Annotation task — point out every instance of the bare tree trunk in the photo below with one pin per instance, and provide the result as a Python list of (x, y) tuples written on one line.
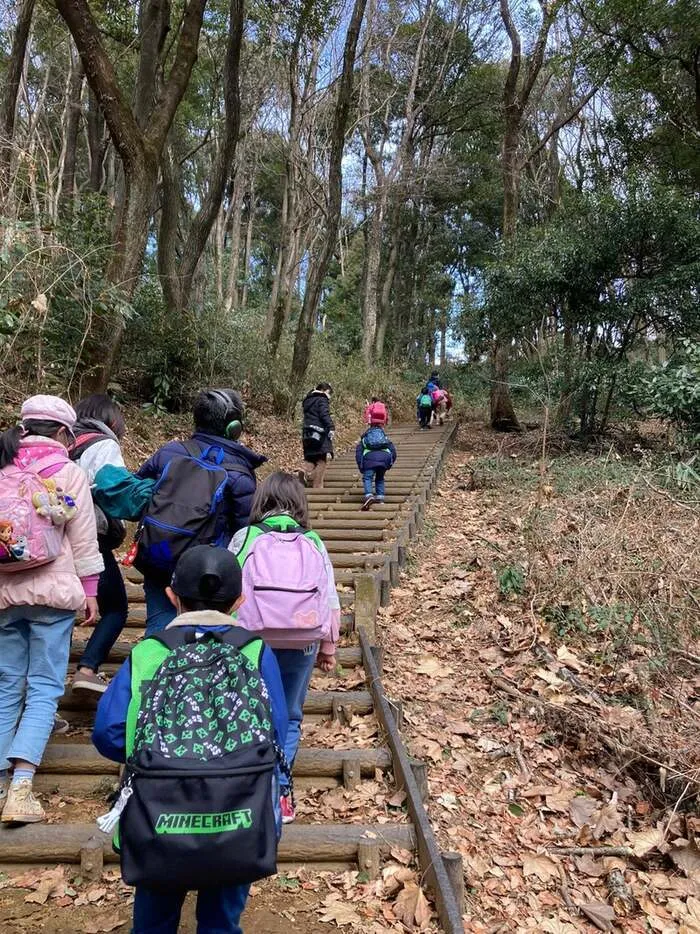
[(203, 220), (274, 320), (139, 136), (72, 128), (388, 284), (97, 141), (231, 295), (8, 100), (516, 96), (319, 263), (370, 305), (248, 241)]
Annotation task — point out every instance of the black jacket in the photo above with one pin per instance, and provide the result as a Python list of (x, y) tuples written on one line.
[(318, 424)]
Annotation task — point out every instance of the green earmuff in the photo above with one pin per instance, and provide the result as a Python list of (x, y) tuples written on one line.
[(233, 430)]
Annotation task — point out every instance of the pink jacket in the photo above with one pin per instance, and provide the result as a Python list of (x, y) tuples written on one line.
[(64, 583)]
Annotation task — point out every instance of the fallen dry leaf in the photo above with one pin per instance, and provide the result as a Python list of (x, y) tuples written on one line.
[(589, 866), (411, 907), (600, 914), (541, 866), (106, 923), (582, 808), (608, 821), (336, 910), (644, 841), (51, 882), (687, 858), (556, 926)]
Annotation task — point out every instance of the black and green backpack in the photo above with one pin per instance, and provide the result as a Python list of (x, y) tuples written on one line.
[(200, 776)]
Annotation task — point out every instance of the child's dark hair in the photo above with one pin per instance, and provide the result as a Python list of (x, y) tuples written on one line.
[(10, 440), (214, 409), (100, 407), (280, 493), (324, 387)]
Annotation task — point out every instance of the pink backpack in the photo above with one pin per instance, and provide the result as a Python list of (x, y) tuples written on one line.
[(33, 513), (376, 412), (285, 587), (437, 395)]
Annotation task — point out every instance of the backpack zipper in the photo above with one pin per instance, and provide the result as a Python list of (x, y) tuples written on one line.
[(288, 589), (170, 528)]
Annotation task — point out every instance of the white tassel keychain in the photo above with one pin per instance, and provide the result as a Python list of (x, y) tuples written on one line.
[(109, 821)]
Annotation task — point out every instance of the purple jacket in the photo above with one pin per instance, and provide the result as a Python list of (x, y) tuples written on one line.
[(241, 485)]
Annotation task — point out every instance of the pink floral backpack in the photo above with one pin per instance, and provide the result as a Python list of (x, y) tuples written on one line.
[(33, 514)]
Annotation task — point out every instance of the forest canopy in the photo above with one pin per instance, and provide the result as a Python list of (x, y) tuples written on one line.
[(267, 192)]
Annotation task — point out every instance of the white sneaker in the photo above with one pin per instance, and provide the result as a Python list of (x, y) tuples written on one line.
[(21, 806)]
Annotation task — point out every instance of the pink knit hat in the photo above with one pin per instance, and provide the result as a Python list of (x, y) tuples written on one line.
[(49, 409)]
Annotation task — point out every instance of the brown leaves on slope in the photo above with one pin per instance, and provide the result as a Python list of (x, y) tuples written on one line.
[(521, 783)]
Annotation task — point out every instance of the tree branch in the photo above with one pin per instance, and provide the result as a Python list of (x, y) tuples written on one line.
[(103, 80), (186, 55), (558, 124), (511, 83), (205, 217)]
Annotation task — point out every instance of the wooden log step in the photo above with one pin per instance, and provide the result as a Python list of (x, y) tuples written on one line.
[(109, 669), (84, 759), (137, 619), (317, 702), (105, 785), (348, 657), (372, 560), (344, 519), (318, 843)]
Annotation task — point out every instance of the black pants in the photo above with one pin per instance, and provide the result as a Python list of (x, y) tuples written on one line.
[(114, 609), (424, 415)]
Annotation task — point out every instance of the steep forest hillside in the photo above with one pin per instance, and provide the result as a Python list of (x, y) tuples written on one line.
[(273, 193)]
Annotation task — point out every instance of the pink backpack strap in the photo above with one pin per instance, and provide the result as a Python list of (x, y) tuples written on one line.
[(47, 466)]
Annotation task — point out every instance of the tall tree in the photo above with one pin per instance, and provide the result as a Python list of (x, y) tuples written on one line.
[(318, 266), (139, 134), (8, 99)]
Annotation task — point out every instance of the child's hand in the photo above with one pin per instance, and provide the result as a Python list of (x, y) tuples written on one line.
[(325, 662), (91, 611)]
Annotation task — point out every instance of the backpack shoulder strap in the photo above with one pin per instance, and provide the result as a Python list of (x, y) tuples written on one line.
[(175, 637), (294, 528), (193, 448), (83, 442), (184, 635)]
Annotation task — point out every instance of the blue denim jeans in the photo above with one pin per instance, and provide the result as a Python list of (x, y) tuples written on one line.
[(159, 610), (296, 667), (114, 609), (376, 475), (34, 650), (218, 910)]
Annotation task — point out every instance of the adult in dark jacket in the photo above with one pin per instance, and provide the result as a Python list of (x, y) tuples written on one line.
[(218, 417), (317, 435)]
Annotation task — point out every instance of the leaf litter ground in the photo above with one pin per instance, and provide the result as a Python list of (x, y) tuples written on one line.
[(534, 640)]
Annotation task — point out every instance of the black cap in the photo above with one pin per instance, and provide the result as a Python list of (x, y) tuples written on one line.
[(208, 574)]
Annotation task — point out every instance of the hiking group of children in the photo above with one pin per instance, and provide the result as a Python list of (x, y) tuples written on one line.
[(241, 604), (206, 713), (433, 402)]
